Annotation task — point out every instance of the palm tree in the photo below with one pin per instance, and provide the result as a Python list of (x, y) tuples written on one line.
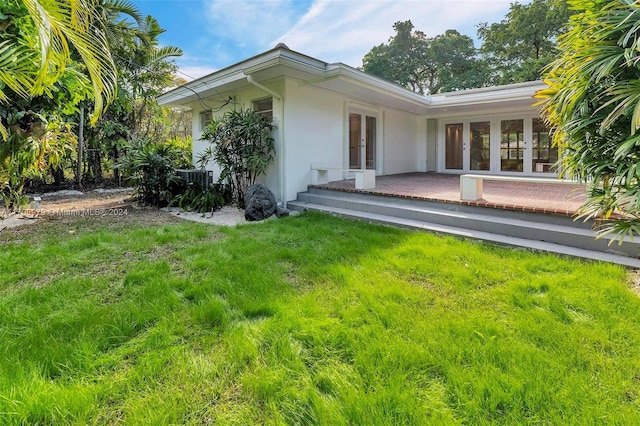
[(593, 102), (36, 42)]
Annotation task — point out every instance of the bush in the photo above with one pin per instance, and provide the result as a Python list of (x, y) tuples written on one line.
[(198, 199), (242, 146), (151, 167)]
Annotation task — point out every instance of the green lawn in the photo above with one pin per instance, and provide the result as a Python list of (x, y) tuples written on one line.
[(307, 320)]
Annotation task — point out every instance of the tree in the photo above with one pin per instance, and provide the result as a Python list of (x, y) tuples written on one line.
[(456, 61), (242, 146), (517, 48), (41, 84), (144, 71), (425, 65), (593, 103)]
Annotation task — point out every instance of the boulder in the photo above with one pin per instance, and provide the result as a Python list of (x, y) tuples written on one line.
[(281, 212), (260, 203)]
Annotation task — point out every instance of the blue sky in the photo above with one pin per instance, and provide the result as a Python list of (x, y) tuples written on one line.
[(217, 33)]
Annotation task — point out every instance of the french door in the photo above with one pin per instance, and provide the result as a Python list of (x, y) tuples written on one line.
[(468, 153), (511, 146), (362, 141)]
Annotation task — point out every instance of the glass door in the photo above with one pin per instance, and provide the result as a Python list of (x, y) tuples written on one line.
[(544, 155), (480, 142), (362, 141), (454, 146), (512, 145)]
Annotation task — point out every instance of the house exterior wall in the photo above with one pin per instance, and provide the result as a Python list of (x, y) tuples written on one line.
[(432, 144), (313, 125), (242, 99), (313, 133), (400, 143), (317, 131)]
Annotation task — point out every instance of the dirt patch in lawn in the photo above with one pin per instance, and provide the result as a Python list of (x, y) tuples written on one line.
[(113, 207)]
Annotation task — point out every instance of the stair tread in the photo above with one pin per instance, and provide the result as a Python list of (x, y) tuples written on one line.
[(462, 215), (470, 233)]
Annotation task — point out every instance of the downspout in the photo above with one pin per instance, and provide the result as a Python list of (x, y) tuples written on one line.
[(283, 181)]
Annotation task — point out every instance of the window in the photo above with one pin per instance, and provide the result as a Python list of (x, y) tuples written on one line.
[(544, 155), (264, 107), (205, 119)]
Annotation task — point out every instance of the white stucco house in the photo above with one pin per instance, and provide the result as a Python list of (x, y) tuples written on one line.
[(337, 116)]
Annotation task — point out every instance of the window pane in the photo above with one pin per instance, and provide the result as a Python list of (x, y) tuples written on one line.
[(355, 133), (264, 107), (511, 145), (453, 146), (544, 155), (480, 137), (205, 119), (371, 142)]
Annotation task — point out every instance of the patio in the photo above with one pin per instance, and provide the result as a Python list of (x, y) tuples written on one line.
[(445, 188)]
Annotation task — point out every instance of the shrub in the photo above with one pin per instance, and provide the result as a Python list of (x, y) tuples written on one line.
[(242, 146), (150, 167), (198, 199)]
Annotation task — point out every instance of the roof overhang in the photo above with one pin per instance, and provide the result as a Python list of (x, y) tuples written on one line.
[(282, 62), (512, 97)]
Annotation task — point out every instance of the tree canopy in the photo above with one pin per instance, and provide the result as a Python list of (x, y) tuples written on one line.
[(423, 64), (521, 45), (513, 50)]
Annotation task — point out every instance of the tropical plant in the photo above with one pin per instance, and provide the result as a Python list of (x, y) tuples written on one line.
[(53, 55), (151, 168), (593, 102), (242, 146), (144, 71), (38, 135), (37, 39), (199, 199)]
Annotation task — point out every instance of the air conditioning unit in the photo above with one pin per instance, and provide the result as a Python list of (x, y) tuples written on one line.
[(205, 177)]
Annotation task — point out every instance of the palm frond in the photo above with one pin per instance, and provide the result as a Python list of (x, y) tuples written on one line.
[(76, 22)]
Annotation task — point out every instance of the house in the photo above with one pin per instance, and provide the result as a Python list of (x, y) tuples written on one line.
[(337, 116)]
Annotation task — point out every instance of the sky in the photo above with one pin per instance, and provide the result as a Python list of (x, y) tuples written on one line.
[(214, 34)]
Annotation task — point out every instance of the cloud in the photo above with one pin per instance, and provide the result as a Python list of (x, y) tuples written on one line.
[(251, 23), (344, 31), (194, 72)]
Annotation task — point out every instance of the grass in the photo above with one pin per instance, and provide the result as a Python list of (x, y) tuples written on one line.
[(307, 320)]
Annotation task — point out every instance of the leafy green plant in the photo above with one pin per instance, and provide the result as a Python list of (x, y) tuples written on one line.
[(198, 199), (242, 146), (593, 101), (150, 167), (34, 142)]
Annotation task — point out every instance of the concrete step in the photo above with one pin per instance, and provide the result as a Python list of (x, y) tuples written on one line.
[(463, 208), (562, 235)]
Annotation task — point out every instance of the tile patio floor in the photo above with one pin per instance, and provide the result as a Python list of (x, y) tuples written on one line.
[(532, 197)]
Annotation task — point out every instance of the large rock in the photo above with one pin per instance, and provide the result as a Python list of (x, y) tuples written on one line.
[(260, 203)]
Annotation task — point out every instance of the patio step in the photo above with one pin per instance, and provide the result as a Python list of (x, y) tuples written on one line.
[(554, 233)]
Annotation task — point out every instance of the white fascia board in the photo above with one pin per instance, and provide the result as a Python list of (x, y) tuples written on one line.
[(186, 91), (375, 82), (486, 96)]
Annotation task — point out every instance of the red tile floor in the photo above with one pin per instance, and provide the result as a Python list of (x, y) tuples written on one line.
[(532, 197)]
